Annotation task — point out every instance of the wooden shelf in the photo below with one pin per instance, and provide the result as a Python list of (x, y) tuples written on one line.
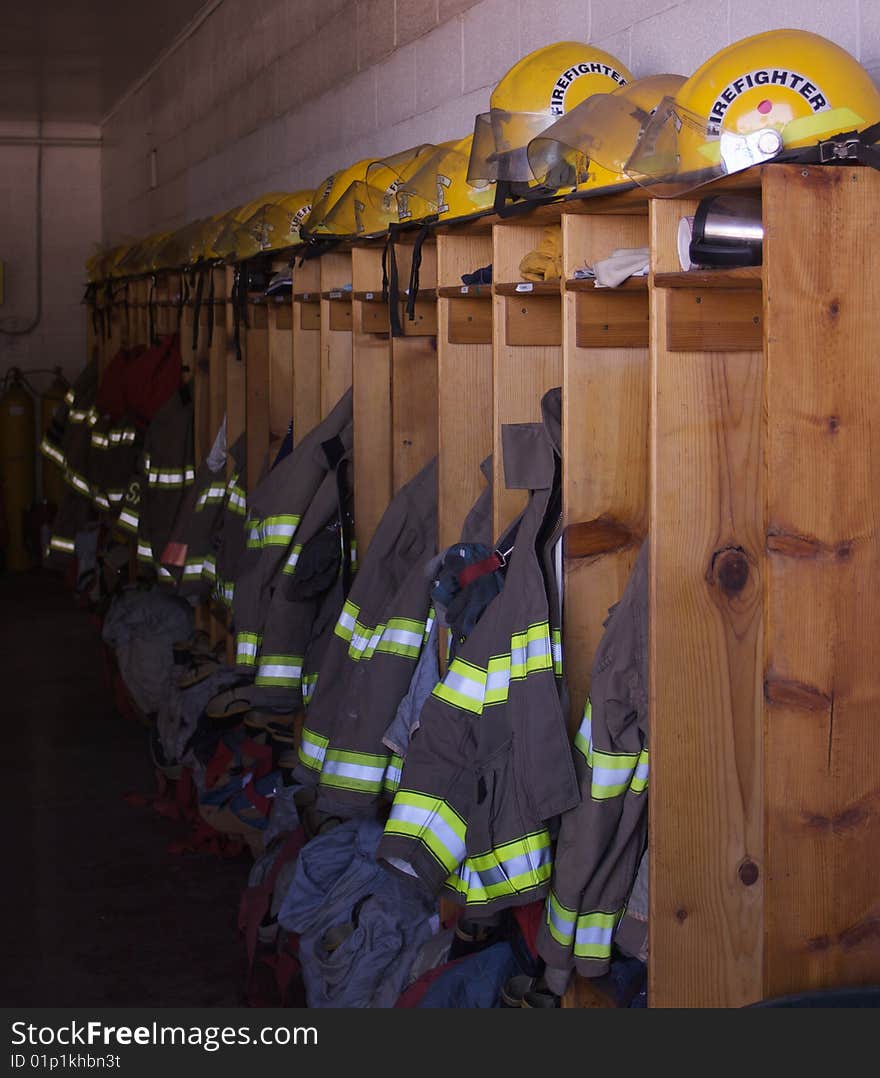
[(743, 277), (535, 288), (422, 294), (307, 297), (588, 284), (338, 295), (465, 291), (371, 297)]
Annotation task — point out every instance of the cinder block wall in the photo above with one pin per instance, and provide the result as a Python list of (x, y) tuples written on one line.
[(276, 94), (71, 185)]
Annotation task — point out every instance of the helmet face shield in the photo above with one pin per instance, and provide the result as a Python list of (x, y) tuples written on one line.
[(603, 130), (499, 148), (675, 154)]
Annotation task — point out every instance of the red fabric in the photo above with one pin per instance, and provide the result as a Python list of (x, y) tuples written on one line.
[(112, 392), (218, 765), (255, 901), (414, 995), (154, 377), (481, 568), (529, 918)]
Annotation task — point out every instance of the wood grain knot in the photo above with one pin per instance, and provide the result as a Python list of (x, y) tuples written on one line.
[(833, 424), (748, 873), (834, 308), (604, 535), (681, 915), (730, 567), (795, 694)]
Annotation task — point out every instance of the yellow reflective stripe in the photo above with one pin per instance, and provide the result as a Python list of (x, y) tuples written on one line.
[(431, 822), (246, 647), (282, 670), (510, 869), (309, 684), (588, 935), (293, 558), (312, 749), (393, 772), (613, 773)]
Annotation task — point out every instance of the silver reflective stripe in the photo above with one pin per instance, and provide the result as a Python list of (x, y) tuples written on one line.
[(403, 636), (275, 670), (314, 752), (474, 690), (594, 935), (433, 822), (563, 926), (354, 771)]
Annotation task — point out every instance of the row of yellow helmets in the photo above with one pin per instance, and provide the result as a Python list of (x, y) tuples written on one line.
[(568, 119)]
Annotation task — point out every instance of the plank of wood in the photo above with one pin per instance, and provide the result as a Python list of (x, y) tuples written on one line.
[(372, 433), (414, 406), (532, 320), (309, 315), (280, 371), (822, 680), (609, 319), (214, 341), (521, 373), (705, 320), (424, 321), (605, 449), (257, 408), (465, 425), (469, 322), (706, 597), (336, 328), (739, 279)]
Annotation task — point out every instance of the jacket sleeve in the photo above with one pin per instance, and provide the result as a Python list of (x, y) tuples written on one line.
[(602, 840)]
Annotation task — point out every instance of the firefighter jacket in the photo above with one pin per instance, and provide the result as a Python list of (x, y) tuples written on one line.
[(229, 543), (72, 453), (275, 510), (370, 658), (602, 840), (317, 563), (71, 413), (169, 472), (115, 446), (490, 767), (199, 520)]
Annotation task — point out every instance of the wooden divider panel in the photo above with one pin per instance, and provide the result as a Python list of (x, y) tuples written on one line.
[(706, 534), (464, 380), (414, 370), (371, 379), (605, 421), (821, 676), (280, 367), (257, 408), (336, 328), (306, 344), (526, 366)]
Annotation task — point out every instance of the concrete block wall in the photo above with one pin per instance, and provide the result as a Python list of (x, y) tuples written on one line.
[(276, 94), (71, 227)]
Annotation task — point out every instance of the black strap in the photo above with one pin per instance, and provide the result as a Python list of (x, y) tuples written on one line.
[(236, 310), (391, 290), (334, 451), (412, 295)]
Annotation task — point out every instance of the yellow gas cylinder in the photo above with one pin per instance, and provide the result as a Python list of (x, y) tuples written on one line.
[(18, 466), (53, 479)]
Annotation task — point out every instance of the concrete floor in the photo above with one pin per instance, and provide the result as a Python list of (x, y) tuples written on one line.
[(95, 910)]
